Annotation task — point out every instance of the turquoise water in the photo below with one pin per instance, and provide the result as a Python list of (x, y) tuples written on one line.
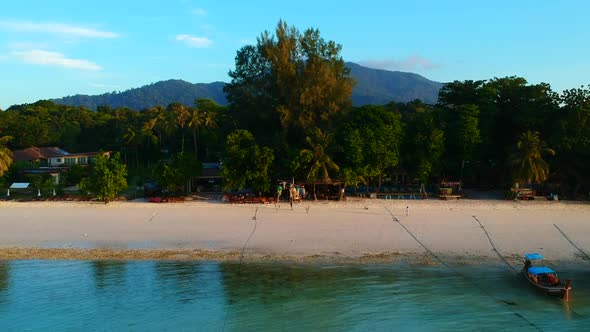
[(209, 296)]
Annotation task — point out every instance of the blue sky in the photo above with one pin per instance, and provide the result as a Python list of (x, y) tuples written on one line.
[(51, 49)]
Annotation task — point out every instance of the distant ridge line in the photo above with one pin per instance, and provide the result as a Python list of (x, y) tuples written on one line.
[(373, 86)]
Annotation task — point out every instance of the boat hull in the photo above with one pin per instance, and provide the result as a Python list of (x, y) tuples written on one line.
[(561, 291)]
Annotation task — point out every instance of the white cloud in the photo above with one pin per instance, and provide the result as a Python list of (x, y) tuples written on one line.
[(56, 28), (199, 12), (194, 41), (411, 63), (27, 45), (55, 59)]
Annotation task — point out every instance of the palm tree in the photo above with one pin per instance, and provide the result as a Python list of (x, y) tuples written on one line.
[(198, 119), (5, 155), (527, 159), (134, 138), (321, 162), (181, 115)]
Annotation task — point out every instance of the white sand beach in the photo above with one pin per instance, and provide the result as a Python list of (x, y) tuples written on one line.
[(354, 229)]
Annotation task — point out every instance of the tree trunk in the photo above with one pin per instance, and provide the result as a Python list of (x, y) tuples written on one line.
[(195, 142), (380, 181), (315, 197)]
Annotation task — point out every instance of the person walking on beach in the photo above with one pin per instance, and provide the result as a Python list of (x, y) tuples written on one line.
[(407, 211)]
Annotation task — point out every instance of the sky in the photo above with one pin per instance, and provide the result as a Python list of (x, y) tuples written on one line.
[(57, 48)]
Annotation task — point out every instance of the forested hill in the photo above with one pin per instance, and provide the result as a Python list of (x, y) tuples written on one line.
[(374, 86), (160, 93), (377, 86)]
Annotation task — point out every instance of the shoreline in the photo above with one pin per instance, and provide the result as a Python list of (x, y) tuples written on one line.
[(353, 231), (235, 257)]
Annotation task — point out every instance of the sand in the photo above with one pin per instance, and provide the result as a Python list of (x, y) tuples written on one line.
[(358, 230)]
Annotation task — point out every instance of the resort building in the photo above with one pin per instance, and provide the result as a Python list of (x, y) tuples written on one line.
[(51, 160)]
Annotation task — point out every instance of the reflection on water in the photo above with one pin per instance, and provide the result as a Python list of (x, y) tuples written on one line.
[(4, 280), (109, 272), (173, 295)]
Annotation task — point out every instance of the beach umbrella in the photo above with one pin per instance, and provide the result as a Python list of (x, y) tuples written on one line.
[(8, 193), (53, 191), (38, 192)]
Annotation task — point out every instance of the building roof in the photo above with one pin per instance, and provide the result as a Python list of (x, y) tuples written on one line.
[(36, 153), (19, 185)]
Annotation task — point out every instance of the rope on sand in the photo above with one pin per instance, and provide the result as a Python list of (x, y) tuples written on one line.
[(394, 218), (493, 246), (249, 237), (420, 242), (572, 243)]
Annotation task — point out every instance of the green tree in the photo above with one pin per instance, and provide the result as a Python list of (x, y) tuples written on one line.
[(245, 164), (463, 135), (371, 143), (290, 80), (320, 161), (177, 172), (108, 177), (423, 145), (5, 155), (527, 160), (571, 137)]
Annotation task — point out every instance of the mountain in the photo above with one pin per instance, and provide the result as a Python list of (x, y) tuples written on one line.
[(159, 93), (374, 86), (377, 86)]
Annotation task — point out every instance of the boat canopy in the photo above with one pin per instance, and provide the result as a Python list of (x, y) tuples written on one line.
[(536, 270), (533, 256)]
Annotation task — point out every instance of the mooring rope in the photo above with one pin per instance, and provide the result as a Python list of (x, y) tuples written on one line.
[(249, 237), (255, 218), (493, 246), (571, 242), (459, 273)]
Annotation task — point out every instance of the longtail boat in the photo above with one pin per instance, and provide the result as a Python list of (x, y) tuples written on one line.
[(544, 278)]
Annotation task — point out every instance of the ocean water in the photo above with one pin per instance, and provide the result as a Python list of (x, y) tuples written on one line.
[(208, 296)]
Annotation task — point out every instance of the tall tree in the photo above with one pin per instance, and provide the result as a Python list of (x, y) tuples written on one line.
[(423, 145), (5, 155), (180, 114), (371, 137), (290, 80), (527, 159), (463, 135), (204, 115), (571, 137), (245, 164)]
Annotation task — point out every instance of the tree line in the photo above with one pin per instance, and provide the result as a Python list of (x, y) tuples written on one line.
[(290, 116)]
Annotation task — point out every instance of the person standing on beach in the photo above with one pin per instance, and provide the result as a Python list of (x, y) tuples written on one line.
[(407, 211), (279, 192), (292, 195)]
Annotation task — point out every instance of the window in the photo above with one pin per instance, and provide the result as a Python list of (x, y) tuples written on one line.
[(58, 160), (83, 160), (70, 161)]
